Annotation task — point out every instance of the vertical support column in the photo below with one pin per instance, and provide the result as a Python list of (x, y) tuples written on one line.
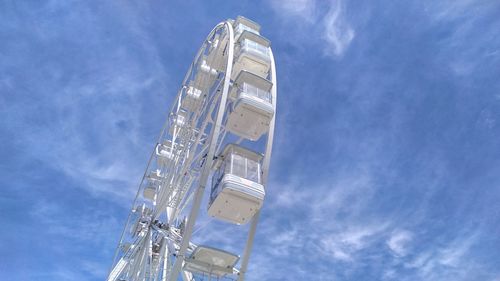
[(165, 263), (208, 163), (265, 173), (187, 276), (248, 247)]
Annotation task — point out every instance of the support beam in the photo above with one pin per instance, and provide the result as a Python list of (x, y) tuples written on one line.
[(265, 174), (208, 163)]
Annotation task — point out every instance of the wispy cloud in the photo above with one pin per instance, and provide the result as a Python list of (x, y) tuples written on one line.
[(447, 261), (345, 244), (332, 27), (304, 9), (338, 33), (94, 225), (398, 242), (66, 230), (89, 113)]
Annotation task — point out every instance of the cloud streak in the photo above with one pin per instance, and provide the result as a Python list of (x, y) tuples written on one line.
[(333, 26), (398, 242), (338, 33)]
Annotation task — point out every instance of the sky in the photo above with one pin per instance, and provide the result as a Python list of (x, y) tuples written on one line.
[(386, 161)]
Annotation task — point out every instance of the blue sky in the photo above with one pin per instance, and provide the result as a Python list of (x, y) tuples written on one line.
[(387, 158)]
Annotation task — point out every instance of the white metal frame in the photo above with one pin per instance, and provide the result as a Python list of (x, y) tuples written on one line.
[(183, 180)]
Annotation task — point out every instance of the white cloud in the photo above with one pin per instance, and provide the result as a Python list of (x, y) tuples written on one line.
[(288, 195), (334, 224), (338, 33), (449, 9), (398, 242), (448, 261), (103, 158), (94, 100), (453, 255), (93, 226), (344, 245), (332, 26), (297, 8)]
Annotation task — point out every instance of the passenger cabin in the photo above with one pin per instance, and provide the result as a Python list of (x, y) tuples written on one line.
[(205, 75), (252, 108), (252, 54), (142, 216), (150, 192), (211, 262), (157, 251), (165, 153), (217, 52), (192, 99), (237, 191), (153, 184), (243, 24), (178, 122)]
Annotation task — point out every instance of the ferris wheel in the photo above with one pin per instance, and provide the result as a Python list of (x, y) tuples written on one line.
[(220, 127)]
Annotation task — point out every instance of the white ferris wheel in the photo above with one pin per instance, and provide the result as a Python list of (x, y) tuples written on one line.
[(221, 128)]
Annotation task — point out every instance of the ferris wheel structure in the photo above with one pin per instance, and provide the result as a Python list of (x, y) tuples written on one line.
[(218, 135)]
